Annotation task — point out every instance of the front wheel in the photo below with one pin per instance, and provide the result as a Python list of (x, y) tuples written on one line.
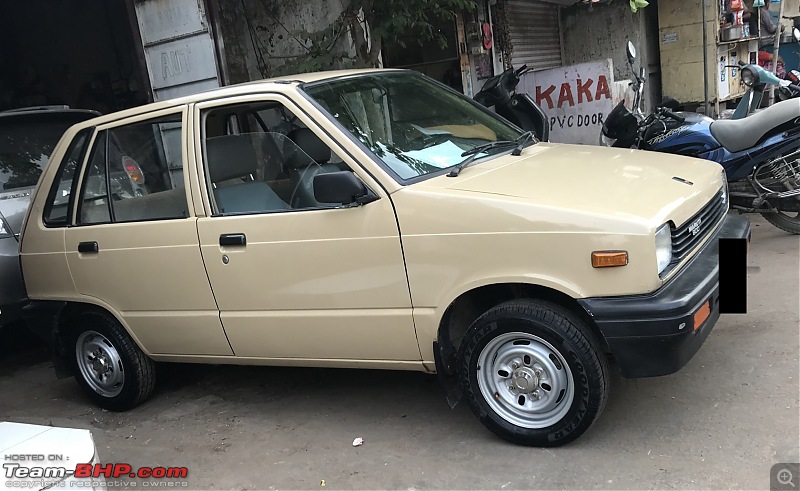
[(108, 364), (533, 373)]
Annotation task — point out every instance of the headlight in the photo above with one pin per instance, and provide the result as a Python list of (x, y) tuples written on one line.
[(607, 140), (725, 190), (748, 77), (663, 247), (4, 230)]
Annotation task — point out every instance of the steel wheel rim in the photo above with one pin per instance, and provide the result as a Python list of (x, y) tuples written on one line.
[(525, 380), (99, 363)]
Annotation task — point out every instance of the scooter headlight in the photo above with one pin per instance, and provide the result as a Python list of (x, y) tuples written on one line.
[(749, 78)]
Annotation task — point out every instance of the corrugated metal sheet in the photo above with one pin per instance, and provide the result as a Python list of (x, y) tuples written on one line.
[(181, 60), (178, 47), (534, 34)]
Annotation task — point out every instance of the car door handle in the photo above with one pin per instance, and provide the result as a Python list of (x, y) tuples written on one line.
[(89, 247), (232, 240)]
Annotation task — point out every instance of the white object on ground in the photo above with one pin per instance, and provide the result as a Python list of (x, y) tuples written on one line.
[(49, 450)]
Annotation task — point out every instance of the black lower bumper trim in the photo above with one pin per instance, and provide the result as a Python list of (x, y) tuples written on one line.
[(11, 313), (655, 334)]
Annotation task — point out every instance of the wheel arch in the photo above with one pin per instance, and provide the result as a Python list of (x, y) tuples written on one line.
[(471, 304), (65, 323)]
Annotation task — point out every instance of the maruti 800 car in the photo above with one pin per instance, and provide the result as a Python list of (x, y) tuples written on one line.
[(374, 219)]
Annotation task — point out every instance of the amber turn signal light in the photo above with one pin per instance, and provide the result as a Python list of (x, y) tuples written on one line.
[(609, 259), (701, 315)]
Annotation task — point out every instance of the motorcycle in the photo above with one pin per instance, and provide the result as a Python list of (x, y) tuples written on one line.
[(760, 151), (520, 109)]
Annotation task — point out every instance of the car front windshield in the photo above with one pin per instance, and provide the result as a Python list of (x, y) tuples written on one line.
[(414, 125)]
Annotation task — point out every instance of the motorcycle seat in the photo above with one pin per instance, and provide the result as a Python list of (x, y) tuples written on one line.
[(740, 134)]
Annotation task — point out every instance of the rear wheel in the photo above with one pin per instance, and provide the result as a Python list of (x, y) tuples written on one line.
[(788, 222), (780, 175), (533, 373), (108, 364)]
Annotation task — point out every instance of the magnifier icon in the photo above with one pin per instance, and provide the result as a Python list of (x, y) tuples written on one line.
[(785, 477)]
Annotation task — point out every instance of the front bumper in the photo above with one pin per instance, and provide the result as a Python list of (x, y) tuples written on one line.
[(655, 334)]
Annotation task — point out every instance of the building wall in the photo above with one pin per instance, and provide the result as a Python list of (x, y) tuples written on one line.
[(791, 9), (603, 32), (68, 52), (260, 37)]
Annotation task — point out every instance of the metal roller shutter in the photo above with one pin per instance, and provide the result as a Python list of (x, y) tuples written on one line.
[(534, 33)]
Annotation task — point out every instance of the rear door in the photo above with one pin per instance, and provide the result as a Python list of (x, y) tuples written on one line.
[(134, 244)]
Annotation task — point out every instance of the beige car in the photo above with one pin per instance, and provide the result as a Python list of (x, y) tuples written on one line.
[(373, 219)]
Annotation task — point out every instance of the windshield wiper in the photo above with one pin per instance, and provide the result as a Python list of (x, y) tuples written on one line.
[(487, 146), (473, 153), (523, 140)]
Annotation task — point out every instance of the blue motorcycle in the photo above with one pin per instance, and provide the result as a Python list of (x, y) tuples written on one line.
[(759, 149)]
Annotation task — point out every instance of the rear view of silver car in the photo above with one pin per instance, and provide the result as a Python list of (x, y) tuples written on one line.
[(27, 138)]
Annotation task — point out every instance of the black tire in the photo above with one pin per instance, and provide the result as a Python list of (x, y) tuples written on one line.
[(784, 222), (515, 323), (135, 370)]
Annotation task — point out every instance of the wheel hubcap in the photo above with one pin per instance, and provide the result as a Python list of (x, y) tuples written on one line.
[(525, 380), (99, 363)]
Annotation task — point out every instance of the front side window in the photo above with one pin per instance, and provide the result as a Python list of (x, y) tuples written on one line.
[(265, 163), (414, 125), (135, 173)]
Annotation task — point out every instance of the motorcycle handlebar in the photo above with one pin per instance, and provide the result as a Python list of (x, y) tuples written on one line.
[(674, 116)]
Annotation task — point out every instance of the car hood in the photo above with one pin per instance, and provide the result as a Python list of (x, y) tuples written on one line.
[(13, 206), (633, 184)]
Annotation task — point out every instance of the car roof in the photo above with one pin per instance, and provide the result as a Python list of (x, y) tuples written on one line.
[(46, 112), (240, 89)]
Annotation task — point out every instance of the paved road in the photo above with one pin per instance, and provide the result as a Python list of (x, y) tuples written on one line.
[(721, 422)]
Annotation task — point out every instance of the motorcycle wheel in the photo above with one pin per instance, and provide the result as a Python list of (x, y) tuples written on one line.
[(780, 175), (784, 221)]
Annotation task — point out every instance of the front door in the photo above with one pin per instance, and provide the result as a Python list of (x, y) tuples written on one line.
[(295, 278), (134, 242)]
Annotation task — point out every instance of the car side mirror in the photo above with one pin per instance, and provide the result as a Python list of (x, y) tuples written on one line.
[(341, 187), (631, 49)]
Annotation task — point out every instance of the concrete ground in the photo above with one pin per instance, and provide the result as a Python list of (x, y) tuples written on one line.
[(720, 423)]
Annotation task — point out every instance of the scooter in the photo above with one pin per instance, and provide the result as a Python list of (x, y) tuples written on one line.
[(520, 109), (786, 93), (759, 151)]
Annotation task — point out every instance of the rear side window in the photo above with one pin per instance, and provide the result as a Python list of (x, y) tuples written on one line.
[(94, 198), (135, 173), (56, 211)]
